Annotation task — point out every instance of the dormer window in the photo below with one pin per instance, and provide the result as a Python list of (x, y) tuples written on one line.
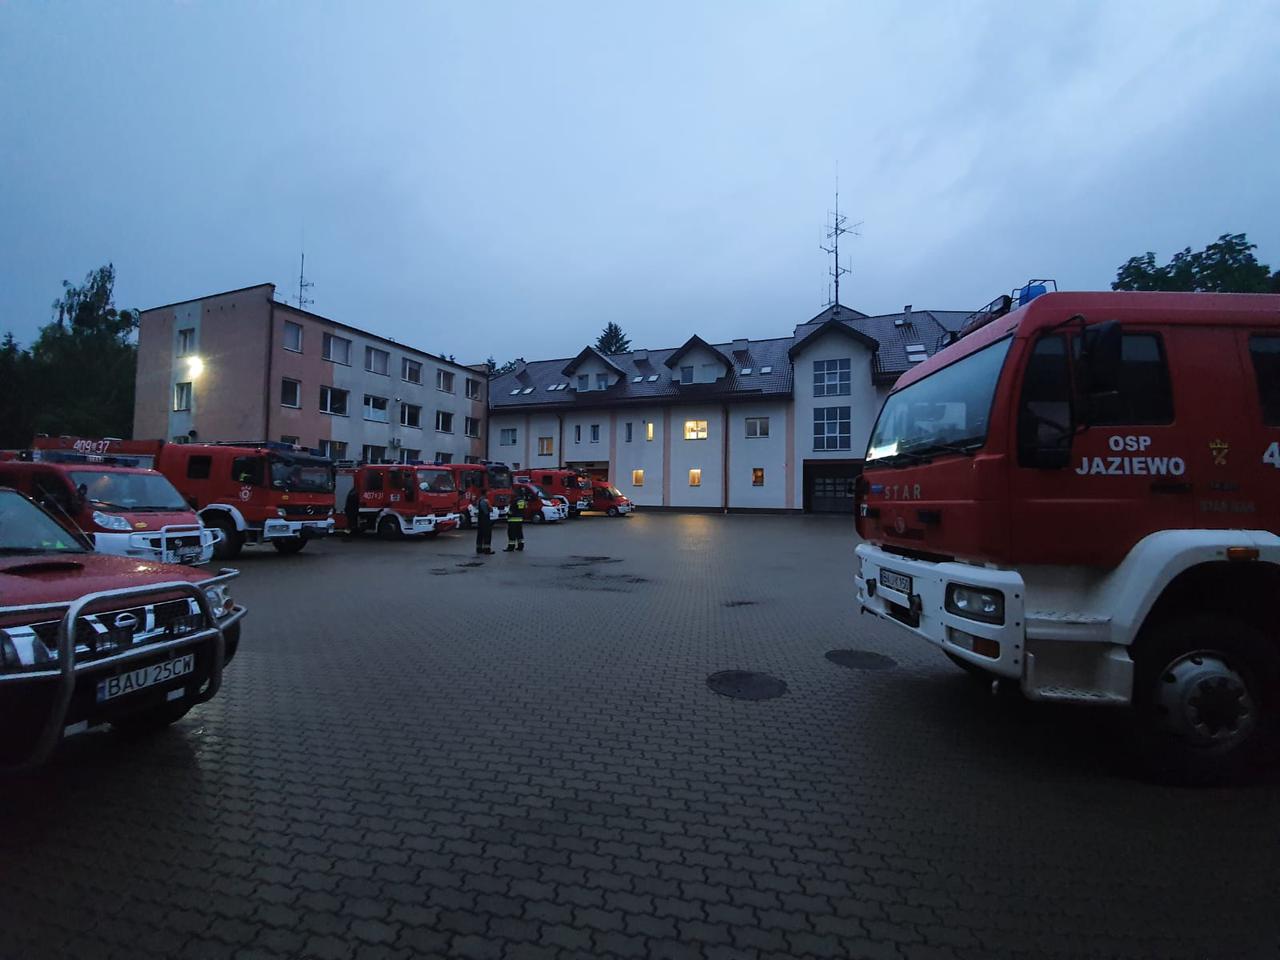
[(602, 381), (584, 382), (686, 374)]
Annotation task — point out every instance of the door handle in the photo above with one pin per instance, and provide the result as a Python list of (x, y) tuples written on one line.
[(1170, 486)]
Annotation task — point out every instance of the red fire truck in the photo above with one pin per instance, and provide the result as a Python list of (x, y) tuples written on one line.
[(251, 491), (491, 478), (398, 500), (573, 485), (123, 508), (1080, 497)]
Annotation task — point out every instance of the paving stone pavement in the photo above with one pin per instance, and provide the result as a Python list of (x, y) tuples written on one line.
[(418, 756)]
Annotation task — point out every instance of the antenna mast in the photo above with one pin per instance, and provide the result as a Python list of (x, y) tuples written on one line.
[(304, 285), (835, 230)]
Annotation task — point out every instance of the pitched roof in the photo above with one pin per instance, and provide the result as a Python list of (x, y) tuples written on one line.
[(894, 332), (589, 353), (833, 325), (692, 343)]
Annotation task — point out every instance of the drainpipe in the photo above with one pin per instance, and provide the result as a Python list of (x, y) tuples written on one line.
[(266, 387), (560, 438), (724, 459)]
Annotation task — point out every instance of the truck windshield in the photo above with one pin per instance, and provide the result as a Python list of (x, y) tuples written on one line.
[(120, 492), (613, 492), (499, 477), (303, 474), (436, 481), (947, 412), (25, 528)]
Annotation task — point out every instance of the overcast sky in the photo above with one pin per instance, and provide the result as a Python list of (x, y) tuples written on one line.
[(490, 178)]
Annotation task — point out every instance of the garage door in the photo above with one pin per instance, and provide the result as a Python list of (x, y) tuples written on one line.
[(829, 487)]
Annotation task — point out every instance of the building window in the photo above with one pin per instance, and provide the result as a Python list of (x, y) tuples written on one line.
[(577, 433), (182, 396), (377, 361), (444, 381), (695, 477), (473, 389), (628, 433), (444, 421), (831, 428), (544, 447), (595, 433), (471, 425), (830, 378), (757, 426), (506, 436), (686, 374), (757, 476), (290, 393), (376, 409), (411, 416), (293, 336), (584, 382), (602, 381), (695, 429), (444, 457), (473, 459), (372, 454), (410, 370), (648, 430), (292, 441), (637, 478), (186, 341), (333, 400), (333, 449), (409, 455), (337, 349)]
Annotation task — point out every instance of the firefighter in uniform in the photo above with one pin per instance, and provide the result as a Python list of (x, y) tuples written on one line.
[(515, 522), (484, 526), (352, 509)]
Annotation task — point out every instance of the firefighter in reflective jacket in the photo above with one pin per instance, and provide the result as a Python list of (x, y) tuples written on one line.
[(515, 522)]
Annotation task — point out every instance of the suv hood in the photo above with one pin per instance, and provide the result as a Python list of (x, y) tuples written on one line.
[(58, 577)]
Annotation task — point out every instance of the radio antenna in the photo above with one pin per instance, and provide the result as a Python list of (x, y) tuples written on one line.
[(837, 228), (304, 284)]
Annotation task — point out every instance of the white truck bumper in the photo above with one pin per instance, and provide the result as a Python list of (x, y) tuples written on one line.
[(186, 543), (278, 529)]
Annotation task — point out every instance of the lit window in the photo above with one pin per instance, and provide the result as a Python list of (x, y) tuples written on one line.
[(637, 478), (757, 426), (695, 429), (545, 448), (757, 476), (471, 425), (444, 421), (377, 361), (410, 370), (293, 336), (695, 477), (290, 393), (507, 436), (186, 341), (444, 381), (595, 433), (686, 374), (411, 416), (337, 349), (182, 396), (648, 430), (333, 400)]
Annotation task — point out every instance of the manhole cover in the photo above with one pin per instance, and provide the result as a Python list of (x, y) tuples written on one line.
[(745, 685), (861, 659)]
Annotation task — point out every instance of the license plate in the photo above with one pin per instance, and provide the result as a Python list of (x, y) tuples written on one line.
[(896, 581), (186, 556), (134, 680)]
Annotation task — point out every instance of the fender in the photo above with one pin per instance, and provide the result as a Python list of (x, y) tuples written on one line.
[(236, 515), (1080, 604)]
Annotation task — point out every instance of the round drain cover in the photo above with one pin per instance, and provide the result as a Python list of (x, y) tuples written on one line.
[(745, 685), (861, 659)]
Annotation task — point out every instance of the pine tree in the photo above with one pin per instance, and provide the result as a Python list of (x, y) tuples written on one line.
[(612, 340)]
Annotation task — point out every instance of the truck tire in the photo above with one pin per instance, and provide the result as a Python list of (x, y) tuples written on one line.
[(229, 547), (287, 545), (152, 720), (1207, 698), (389, 529), (464, 520), (611, 512)]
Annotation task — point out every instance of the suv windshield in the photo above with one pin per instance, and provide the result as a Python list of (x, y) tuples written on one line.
[(499, 477), (304, 474), (948, 411), (119, 492), (25, 528), (436, 481)]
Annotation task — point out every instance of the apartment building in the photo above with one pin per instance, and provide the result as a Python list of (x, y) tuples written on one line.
[(242, 365), (777, 424)]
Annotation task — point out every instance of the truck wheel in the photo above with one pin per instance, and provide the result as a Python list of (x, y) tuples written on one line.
[(288, 545), (228, 548), (464, 520), (152, 720), (1207, 696), (389, 528), (611, 512)]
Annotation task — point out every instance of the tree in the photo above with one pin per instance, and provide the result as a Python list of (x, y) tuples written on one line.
[(612, 340), (1226, 266), (496, 369)]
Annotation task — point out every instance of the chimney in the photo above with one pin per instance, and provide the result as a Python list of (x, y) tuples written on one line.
[(906, 313), (740, 346)]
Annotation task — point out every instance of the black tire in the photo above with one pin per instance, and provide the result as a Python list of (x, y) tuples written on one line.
[(289, 545), (151, 720), (1206, 699), (611, 512), (464, 520), (232, 542), (389, 529)]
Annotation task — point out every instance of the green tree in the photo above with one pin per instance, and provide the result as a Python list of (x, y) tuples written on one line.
[(612, 340), (498, 369), (1225, 266), (16, 402)]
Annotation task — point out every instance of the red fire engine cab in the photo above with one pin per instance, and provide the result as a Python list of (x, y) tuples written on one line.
[(250, 491), (492, 479), (573, 485), (398, 500), (1080, 496)]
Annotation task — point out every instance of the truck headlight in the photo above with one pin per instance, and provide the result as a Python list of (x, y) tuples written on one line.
[(280, 512), (219, 598), (110, 521), (975, 604)]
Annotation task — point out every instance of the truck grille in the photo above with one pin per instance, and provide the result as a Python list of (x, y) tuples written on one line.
[(109, 632), (306, 511)]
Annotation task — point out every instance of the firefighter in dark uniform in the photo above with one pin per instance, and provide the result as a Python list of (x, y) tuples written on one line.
[(484, 526), (515, 521), (352, 509)]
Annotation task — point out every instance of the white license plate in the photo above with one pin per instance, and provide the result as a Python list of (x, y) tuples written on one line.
[(185, 556), (134, 680), (896, 581)]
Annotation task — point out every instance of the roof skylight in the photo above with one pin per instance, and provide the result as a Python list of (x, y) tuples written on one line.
[(515, 391), (639, 379), (653, 378), (766, 369), (528, 389), (746, 371)]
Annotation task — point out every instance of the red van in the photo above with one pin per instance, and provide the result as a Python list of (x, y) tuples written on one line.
[(609, 499)]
